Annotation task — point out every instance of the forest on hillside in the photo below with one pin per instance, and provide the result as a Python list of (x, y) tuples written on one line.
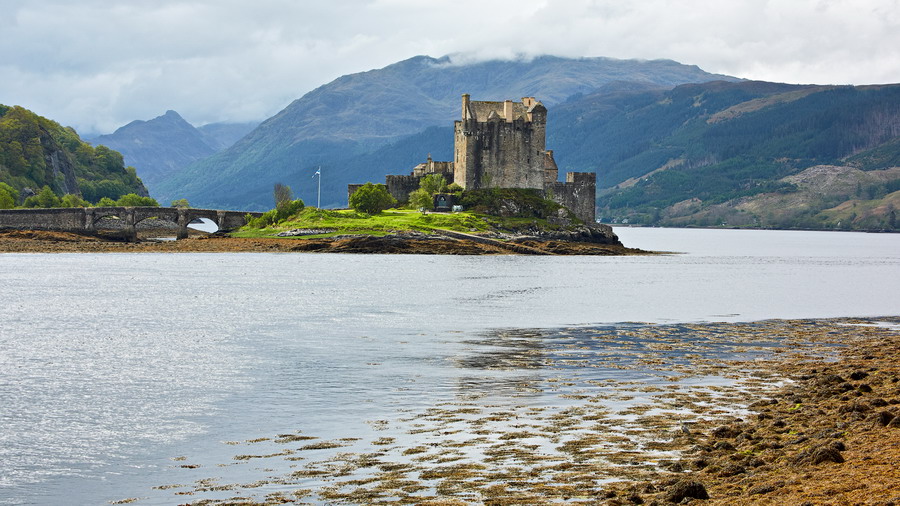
[(36, 152)]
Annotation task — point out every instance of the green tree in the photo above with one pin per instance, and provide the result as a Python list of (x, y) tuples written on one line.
[(182, 203), (8, 196), (433, 183), (454, 188), (70, 200), (288, 209), (371, 199), (283, 195), (106, 202), (44, 198), (421, 199), (135, 200)]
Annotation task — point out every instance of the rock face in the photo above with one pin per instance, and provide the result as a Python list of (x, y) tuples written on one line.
[(595, 233)]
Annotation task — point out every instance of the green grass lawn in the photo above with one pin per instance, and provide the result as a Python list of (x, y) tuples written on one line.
[(390, 221)]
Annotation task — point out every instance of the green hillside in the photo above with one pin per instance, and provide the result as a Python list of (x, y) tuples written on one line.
[(341, 124), (699, 154), (37, 152)]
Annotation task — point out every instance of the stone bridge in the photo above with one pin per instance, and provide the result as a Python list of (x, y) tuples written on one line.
[(87, 219)]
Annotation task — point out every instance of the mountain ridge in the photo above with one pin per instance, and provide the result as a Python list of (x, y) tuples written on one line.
[(166, 144), (361, 113)]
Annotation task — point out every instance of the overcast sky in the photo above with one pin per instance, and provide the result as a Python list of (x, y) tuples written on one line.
[(98, 64)]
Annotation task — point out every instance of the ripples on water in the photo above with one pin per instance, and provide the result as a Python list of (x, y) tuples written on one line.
[(113, 365)]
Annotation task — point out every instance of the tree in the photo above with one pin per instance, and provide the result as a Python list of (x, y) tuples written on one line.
[(8, 196), (135, 200), (182, 203), (70, 200), (421, 199), (433, 183), (106, 202), (44, 198), (371, 199), (288, 209), (283, 195)]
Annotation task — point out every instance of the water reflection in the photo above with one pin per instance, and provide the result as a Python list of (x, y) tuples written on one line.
[(536, 407)]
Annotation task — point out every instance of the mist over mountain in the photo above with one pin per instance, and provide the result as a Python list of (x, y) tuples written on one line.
[(341, 125)]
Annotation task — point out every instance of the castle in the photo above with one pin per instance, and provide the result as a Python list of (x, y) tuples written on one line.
[(503, 145)]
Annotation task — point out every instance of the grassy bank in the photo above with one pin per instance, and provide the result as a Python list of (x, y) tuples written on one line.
[(345, 222)]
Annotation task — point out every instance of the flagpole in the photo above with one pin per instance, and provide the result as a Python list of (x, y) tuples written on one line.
[(319, 195)]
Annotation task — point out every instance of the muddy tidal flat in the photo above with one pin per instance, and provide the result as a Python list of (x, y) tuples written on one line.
[(28, 241), (773, 412)]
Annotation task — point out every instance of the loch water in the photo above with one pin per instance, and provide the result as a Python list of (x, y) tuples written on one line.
[(112, 366)]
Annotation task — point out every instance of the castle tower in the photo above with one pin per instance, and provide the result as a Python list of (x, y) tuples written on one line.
[(501, 144)]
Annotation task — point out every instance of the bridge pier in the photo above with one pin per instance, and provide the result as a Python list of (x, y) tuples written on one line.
[(130, 225), (183, 221), (88, 219), (220, 220)]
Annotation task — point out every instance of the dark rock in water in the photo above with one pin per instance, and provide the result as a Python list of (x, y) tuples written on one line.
[(858, 375), (732, 470), (830, 379), (895, 423), (725, 432), (864, 388), (818, 455), (724, 445), (883, 418), (682, 489), (762, 489)]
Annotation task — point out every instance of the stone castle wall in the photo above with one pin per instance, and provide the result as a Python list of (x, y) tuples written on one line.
[(578, 193), (401, 186)]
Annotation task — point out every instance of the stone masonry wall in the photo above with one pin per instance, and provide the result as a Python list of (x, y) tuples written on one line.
[(401, 186), (578, 193)]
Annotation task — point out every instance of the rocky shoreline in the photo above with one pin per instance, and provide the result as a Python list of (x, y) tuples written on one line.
[(831, 435), (810, 416), (31, 241)]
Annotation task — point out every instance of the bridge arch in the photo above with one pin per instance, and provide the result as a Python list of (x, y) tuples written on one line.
[(87, 219)]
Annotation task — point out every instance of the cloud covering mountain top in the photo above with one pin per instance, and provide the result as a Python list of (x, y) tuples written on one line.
[(96, 65)]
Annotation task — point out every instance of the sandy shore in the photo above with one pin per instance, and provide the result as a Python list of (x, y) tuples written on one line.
[(15, 241), (809, 415)]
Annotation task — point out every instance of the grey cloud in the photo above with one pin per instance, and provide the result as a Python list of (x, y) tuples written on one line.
[(97, 65)]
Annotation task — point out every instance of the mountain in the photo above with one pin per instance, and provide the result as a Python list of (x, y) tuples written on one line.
[(159, 147), (37, 152), (221, 136), (345, 125), (738, 153)]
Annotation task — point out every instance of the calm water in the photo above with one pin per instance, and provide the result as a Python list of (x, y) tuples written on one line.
[(111, 365)]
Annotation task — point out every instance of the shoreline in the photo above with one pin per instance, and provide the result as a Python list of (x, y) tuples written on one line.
[(811, 416), (36, 241)]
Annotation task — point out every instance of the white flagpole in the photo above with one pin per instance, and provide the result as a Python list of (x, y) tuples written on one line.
[(319, 195)]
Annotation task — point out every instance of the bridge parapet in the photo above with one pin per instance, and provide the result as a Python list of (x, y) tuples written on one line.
[(86, 219)]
